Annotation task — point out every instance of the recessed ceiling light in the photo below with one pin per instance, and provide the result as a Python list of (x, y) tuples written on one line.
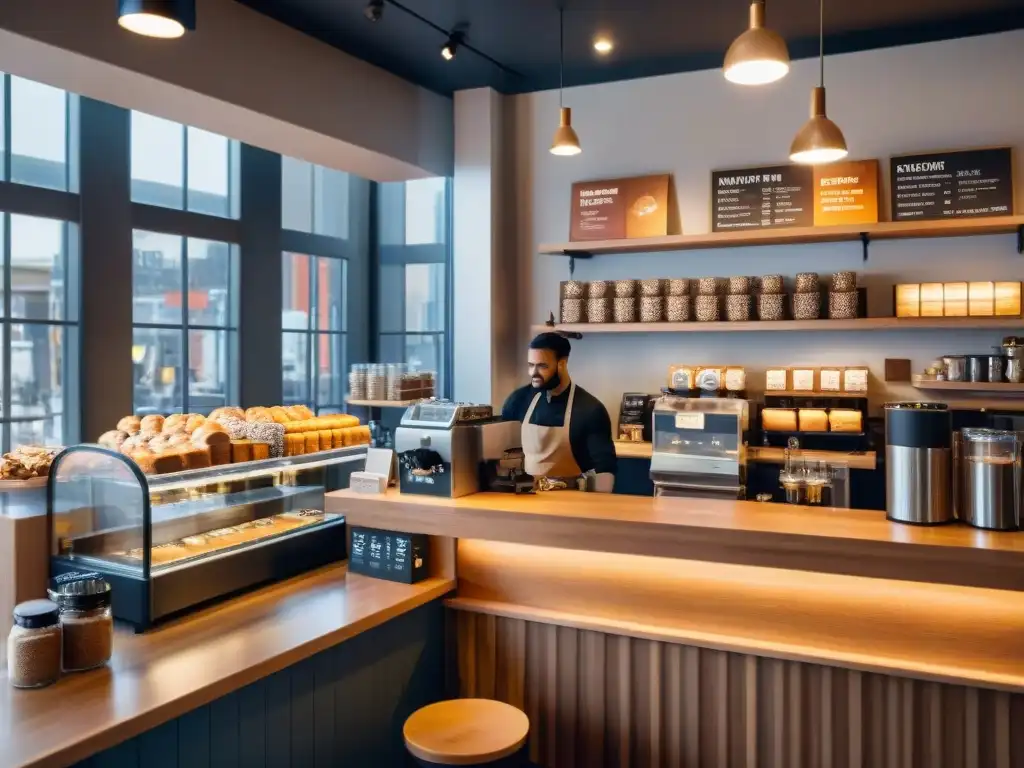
[(603, 45), (157, 18)]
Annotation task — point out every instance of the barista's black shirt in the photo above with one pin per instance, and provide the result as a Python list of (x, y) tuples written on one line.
[(590, 431)]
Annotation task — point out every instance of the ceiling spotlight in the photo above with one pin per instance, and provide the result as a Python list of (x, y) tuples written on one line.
[(759, 55), (820, 140), (603, 45), (157, 18), (374, 10), (449, 49)]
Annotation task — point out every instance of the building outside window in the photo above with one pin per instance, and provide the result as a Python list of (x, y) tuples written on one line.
[(315, 214), (412, 302), (39, 309), (184, 344)]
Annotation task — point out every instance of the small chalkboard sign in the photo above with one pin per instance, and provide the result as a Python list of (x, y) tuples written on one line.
[(952, 185), (387, 554)]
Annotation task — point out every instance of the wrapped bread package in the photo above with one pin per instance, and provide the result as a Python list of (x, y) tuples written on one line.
[(813, 420), (778, 420), (845, 420)]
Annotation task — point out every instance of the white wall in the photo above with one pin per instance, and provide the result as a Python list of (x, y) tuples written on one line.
[(240, 74), (947, 95)]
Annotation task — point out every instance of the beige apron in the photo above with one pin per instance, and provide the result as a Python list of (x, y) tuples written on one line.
[(547, 450)]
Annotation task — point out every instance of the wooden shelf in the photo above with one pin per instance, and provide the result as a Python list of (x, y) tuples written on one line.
[(887, 230), (1002, 388), (770, 326), (381, 403), (798, 393), (757, 454)]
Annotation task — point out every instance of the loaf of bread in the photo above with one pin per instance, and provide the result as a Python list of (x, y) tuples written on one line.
[(220, 453), (260, 451), (312, 440), (130, 424), (365, 438), (268, 432), (152, 423), (813, 420), (845, 420), (211, 432), (178, 439), (258, 414), (194, 457), (326, 440), (113, 439), (294, 445), (238, 413), (777, 420), (304, 412), (280, 415), (158, 444), (158, 463), (241, 450)]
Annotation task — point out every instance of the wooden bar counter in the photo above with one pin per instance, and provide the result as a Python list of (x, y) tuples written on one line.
[(660, 632), (269, 665)]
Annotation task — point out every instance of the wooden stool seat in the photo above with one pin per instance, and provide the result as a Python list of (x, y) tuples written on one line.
[(465, 731)]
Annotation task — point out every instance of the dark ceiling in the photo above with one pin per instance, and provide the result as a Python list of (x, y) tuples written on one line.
[(652, 37)]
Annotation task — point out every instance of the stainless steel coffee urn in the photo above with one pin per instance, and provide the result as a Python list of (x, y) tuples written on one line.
[(918, 440), (990, 479)]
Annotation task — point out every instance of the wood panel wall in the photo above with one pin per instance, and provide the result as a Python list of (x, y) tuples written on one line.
[(342, 707), (597, 700)]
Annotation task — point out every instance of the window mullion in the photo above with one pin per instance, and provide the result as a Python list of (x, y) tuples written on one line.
[(185, 362)]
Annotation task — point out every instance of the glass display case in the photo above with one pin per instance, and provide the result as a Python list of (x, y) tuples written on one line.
[(170, 542)]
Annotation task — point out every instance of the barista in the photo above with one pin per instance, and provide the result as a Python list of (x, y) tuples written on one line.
[(566, 431)]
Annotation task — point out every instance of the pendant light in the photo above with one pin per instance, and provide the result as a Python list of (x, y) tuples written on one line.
[(820, 141), (157, 18), (566, 142), (759, 55)]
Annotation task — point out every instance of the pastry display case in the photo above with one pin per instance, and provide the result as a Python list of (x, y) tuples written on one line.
[(170, 542)]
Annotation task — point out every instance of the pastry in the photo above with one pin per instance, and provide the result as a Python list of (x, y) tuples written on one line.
[(152, 423), (178, 439), (241, 450), (304, 412), (113, 439), (237, 429), (130, 424), (295, 413), (778, 420), (326, 440), (195, 421), (238, 413), (159, 444), (280, 415), (845, 420), (173, 421), (312, 441), (813, 420), (258, 413), (260, 451)]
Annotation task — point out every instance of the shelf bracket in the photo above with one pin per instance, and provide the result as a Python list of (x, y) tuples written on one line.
[(1020, 239), (573, 255), (865, 242)]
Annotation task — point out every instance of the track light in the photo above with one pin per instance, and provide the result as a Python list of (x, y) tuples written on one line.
[(759, 55), (157, 18), (449, 49), (819, 141), (374, 10)]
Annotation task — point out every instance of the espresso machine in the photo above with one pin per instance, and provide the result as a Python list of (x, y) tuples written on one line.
[(698, 447), (439, 447)]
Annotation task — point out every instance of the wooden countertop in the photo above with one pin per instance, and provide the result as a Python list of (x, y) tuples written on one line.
[(168, 671), (852, 542)]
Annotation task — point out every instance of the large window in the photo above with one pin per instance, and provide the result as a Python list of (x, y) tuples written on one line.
[(314, 199), (40, 327), (37, 134), (184, 348), (315, 215), (313, 341), (183, 167), (414, 275)]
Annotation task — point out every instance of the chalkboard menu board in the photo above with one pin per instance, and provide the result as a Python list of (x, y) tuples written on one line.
[(762, 198), (952, 185), (387, 554)]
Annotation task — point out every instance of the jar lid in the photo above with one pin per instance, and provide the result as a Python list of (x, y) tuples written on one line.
[(80, 591), (35, 614)]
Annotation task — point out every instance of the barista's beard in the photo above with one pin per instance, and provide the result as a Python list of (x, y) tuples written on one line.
[(550, 384)]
